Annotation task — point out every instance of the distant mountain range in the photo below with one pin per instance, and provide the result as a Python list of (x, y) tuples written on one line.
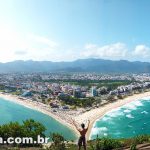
[(80, 65)]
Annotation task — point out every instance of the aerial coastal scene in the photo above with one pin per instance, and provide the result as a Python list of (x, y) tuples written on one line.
[(81, 97), (74, 75)]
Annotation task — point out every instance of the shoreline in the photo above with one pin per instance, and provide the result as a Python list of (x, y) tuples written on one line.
[(37, 106), (92, 115), (98, 113)]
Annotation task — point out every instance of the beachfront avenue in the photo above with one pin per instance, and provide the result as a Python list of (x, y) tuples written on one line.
[(24, 140)]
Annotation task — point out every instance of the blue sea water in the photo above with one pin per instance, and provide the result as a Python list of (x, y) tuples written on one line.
[(129, 120), (10, 111)]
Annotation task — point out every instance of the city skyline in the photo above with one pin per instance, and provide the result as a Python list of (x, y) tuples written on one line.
[(69, 30)]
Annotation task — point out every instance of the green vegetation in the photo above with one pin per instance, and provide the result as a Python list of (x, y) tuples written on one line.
[(100, 143), (17, 92), (58, 142), (2, 87), (111, 84), (84, 102), (105, 144), (29, 128)]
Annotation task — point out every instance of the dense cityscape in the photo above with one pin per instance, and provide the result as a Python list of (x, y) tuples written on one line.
[(73, 91)]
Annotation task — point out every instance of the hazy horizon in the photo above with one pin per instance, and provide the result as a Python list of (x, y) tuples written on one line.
[(77, 60)]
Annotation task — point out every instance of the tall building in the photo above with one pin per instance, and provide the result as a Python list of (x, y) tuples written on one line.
[(93, 92), (77, 93)]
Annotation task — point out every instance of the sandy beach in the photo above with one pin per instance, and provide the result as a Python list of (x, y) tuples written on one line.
[(98, 113), (43, 108), (64, 117)]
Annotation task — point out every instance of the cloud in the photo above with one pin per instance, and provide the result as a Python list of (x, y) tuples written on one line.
[(15, 46), (113, 51), (20, 46), (41, 48), (20, 52), (9, 43), (90, 46), (116, 51), (43, 40), (141, 51)]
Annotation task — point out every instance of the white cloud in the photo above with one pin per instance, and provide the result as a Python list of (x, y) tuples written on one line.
[(41, 48), (116, 51), (141, 51), (19, 46), (15, 46), (43, 40), (90, 46), (9, 42), (23, 52), (112, 51)]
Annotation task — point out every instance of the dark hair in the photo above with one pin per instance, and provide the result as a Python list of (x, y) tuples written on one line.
[(83, 125)]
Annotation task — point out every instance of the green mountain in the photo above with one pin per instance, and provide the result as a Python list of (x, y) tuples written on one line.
[(80, 65)]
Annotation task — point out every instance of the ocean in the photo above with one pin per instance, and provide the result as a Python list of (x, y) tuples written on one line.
[(10, 111), (127, 121)]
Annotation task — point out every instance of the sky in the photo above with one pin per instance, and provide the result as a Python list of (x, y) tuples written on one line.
[(66, 30)]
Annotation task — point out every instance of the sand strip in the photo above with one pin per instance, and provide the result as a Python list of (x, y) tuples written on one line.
[(91, 115)]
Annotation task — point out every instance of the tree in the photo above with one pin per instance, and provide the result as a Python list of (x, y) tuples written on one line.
[(29, 128), (58, 142), (33, 129)]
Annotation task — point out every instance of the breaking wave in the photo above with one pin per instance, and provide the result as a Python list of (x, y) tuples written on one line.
[(124, 121)]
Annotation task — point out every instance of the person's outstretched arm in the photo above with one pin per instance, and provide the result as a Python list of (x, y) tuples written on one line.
[(88, 124), (75, 125)]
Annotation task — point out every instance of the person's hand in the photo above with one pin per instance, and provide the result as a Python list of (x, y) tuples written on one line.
[(72, 120)]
